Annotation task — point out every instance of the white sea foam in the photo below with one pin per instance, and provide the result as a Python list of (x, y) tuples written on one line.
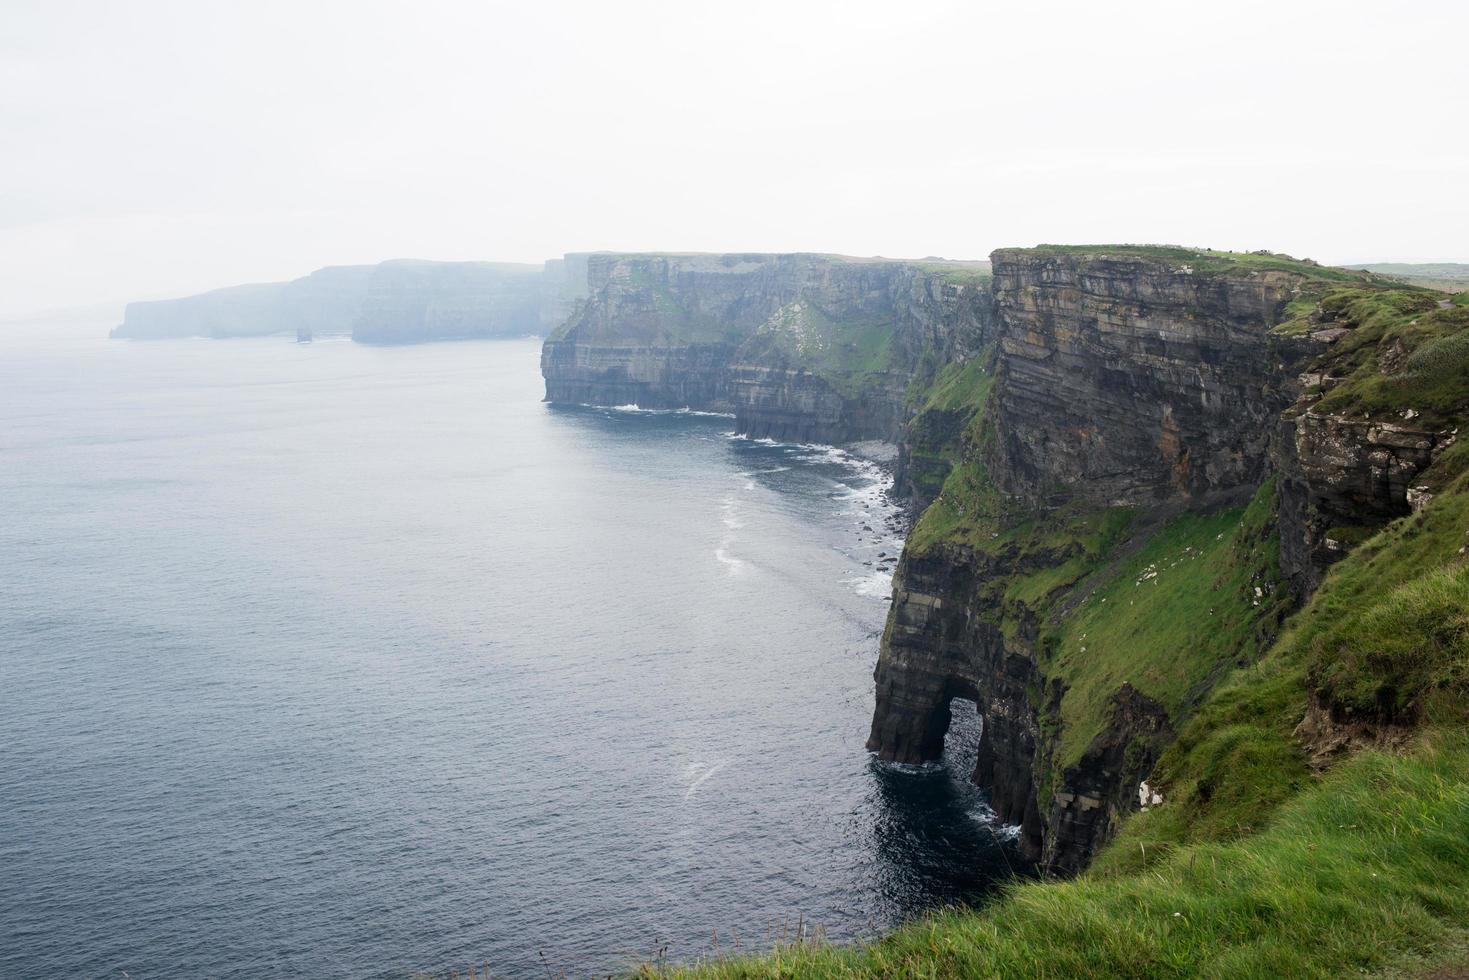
[(864, 499), (632, 408), (722, 555), (876, 585), (698, 773), (729, 513)]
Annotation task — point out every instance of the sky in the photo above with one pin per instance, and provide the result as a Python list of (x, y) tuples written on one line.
[(152, 149)]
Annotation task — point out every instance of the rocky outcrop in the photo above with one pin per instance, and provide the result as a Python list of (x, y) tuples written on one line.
[(1340, 479), (1344, 469), (944, 642), (1104, 784), (799, 347)]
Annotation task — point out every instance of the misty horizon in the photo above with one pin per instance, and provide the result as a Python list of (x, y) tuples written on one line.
[(167, 149)]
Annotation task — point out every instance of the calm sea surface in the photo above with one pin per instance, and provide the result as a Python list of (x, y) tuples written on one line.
[(333, 660)]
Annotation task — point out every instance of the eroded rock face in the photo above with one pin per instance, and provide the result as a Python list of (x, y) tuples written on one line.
[(943, 641), (1130, 380), (807, 348), (1342, 472), (1120, 381), (1104, 784)]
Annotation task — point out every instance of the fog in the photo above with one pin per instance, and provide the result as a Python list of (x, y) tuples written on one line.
[(154, 148)]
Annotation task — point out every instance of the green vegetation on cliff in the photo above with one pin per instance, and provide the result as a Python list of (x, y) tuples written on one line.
[(1256, 864), (1362, 872), (849, 353), (946, 406), (1203, 595), (1316, 797), (1207, 261), (1392, 351)]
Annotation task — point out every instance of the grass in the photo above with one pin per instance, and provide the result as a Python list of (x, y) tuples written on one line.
[(961, 386), (1171, 619), (850, 354), (1401, 350), (1256, 865), (968, 512), (1389, 638), (1357, 873), (1382, 641), (1204, 261)]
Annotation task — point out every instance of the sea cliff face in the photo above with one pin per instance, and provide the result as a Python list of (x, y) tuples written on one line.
[(1152, 434), (799, 347), (325, 302), (409, 301), (1130, 380)]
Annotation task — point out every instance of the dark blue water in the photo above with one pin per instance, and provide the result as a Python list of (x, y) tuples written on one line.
[(351, 661)]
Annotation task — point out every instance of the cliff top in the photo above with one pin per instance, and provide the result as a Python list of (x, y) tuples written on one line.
[(1201, 261), (931, 261)]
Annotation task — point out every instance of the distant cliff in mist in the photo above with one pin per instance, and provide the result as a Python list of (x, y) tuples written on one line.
[(398, 302)]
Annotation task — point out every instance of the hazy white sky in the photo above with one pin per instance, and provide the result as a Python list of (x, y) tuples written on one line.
[(157, 148)]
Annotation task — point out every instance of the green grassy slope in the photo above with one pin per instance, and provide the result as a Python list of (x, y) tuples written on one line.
[(1255, 866), (1362, 872), (1403, 349)]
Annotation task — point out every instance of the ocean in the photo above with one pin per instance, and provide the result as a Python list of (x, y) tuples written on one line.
[(339, 660)]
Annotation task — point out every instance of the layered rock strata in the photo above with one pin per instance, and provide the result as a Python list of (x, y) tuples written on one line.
[(1128, 380), (1123, 380), (799, 347)]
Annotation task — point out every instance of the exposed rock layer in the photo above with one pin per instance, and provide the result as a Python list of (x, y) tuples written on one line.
[(1129, 380), (1133, 380), (799, 347)]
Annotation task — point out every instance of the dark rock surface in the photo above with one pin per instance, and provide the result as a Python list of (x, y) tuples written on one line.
[(1341, 473), (1121, 380), (1103, 786), (1130, 380)]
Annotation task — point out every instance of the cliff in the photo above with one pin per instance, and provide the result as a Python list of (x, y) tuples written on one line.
[(401, 301), (1193, 543), (325, 302), (799, 347), (409, 301), (1165, 450)]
